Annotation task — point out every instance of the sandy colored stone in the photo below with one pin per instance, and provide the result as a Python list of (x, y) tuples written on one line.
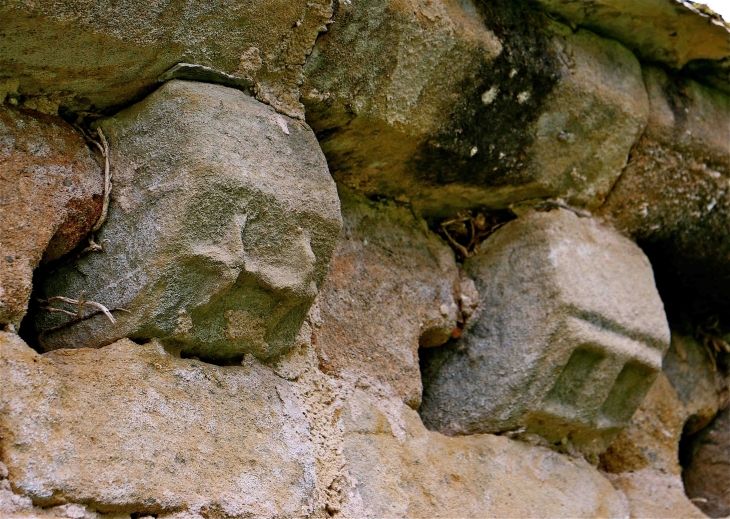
[(653, 494), (651, 439), (130, 428), (444, 114), (50, 197), (390, 287), (222, 222), (88, 54), (672, 32), (397, 468), (674, 195), (569, 338), (14, 506)]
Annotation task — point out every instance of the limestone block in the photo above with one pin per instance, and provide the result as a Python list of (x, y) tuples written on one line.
[(653, 493), (674, 196), (397, 468), (570, 336), (390, 289), (91, 55), (50, 197), (131, 428), (444, 114), (651, 439), (661, 31), (222, 222)]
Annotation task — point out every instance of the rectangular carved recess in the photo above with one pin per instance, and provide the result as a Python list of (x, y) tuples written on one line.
[(565, 398), (626, 394), (604, 380)]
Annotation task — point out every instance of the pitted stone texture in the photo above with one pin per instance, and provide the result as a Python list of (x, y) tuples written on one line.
[(222, 222), (397, 468), (651, 439), (442, 113), (655, 494), (569, 339), (14, 506), (390, 286), (88, 54), (673, 32), (674, 195), (645, 457), (50, 197), (130, 428)]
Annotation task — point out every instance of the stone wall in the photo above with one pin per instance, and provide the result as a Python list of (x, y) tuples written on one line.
[(364, 258)]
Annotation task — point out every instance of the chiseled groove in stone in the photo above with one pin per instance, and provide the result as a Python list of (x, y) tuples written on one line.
[(613, 343), (571, 331), (601, 351), (594, 319)]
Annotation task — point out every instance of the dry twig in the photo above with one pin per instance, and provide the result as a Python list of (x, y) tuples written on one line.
[(465, 232), (103, 147), (79, 303)]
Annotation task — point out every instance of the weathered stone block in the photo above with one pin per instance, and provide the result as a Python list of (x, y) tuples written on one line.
[(444, 114), (131, 428), (222, 222), (50, 197), (674, 195), (653, 493), (397, 468), (676, 33), (569, 339), (391, 287), (90, 55), (651, 438)]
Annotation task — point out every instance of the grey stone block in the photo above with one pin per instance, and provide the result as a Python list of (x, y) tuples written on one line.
[(222, 222), (569, 338)]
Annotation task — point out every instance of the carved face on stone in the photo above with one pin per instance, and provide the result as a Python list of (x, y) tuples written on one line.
[(221, 226), (569, 338)]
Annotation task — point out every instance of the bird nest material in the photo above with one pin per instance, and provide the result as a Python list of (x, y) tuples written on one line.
[(467, 230)]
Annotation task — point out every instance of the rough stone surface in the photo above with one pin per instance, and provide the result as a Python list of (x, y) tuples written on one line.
[(656, 453), (653, 494), (676, 33), (88, 54), (569, 339), (700, 388), (251, 378), (481, 120), (130, 428), (397, 468), (706, 473), (50, 197), (674, 195), (651, 439), (222, 222), (390, 287)]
